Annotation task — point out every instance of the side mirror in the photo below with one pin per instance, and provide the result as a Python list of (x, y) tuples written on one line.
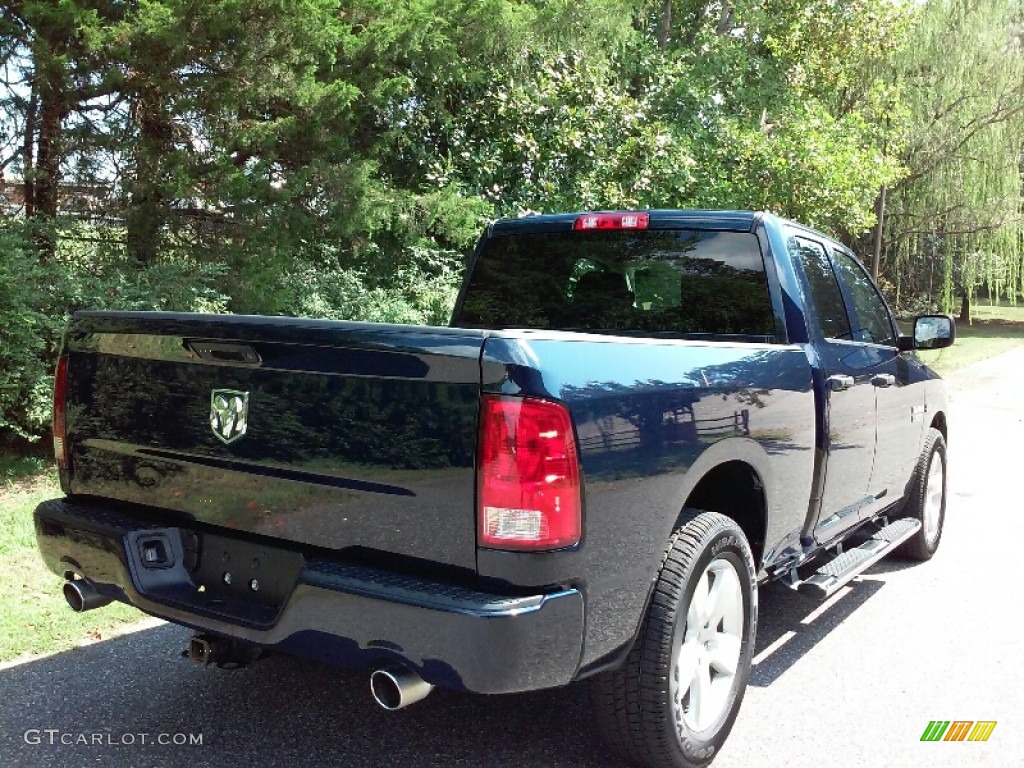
[(930, 332)]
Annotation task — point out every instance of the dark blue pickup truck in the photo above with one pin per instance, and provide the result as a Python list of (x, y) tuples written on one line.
[(635, 420)]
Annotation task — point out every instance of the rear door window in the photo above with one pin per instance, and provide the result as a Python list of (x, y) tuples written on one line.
[(826, 296), (686, 282)]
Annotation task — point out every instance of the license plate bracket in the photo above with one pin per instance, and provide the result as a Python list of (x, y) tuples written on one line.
[(240, 580)]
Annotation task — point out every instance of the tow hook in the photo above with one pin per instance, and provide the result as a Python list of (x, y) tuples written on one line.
[(226, 652)]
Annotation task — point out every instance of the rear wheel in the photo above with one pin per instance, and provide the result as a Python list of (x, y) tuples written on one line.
[(674, 701), (927, 500)]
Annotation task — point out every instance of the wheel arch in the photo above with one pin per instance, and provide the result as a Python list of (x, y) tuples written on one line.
[(735, 489), (732, 478)]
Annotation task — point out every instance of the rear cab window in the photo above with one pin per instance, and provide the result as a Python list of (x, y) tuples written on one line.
[(665, 282)]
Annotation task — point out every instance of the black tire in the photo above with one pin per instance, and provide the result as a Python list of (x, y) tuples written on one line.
[(923, 544), (633, 705)]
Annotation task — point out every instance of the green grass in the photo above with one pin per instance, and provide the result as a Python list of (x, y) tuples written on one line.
[(998, 312), (14, 468), (34, 618), (995, 329)]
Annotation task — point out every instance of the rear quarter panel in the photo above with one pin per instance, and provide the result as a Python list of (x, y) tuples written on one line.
[(652, 417)]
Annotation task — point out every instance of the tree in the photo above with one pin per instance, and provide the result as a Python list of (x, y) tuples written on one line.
[(702, 105), (955, 215), (47, 86)]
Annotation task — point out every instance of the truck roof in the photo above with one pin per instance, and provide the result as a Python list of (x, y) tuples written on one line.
[(559, 222)]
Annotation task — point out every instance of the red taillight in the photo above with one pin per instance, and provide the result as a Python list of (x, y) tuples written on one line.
[(528, 475), (612, 221), (60, 389)]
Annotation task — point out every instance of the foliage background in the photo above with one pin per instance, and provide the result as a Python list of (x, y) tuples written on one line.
[(338, 158)]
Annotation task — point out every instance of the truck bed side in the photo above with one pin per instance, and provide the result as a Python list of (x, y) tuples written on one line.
[(653, 417)]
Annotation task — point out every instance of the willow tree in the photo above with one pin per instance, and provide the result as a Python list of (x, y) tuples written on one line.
[(954, 222)]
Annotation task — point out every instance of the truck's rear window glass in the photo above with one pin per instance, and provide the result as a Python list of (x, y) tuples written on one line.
[(662, 281)]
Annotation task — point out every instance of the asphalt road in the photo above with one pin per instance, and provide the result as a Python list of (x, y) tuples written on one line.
[(850, 682)]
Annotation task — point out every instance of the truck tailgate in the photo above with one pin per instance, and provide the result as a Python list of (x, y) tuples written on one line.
[(344, 436)]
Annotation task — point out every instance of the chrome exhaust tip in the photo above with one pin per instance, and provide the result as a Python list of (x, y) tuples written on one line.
[(82, 596), (396, 687)]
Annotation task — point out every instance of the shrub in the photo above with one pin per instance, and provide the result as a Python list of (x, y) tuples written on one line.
[(88, 272), (28, 334), (422, 291), (91, 271)]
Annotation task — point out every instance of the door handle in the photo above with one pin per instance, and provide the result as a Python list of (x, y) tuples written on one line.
[(839, 383), (883, 380)]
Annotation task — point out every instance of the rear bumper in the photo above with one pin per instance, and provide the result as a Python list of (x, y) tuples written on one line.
[(354, 616)]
